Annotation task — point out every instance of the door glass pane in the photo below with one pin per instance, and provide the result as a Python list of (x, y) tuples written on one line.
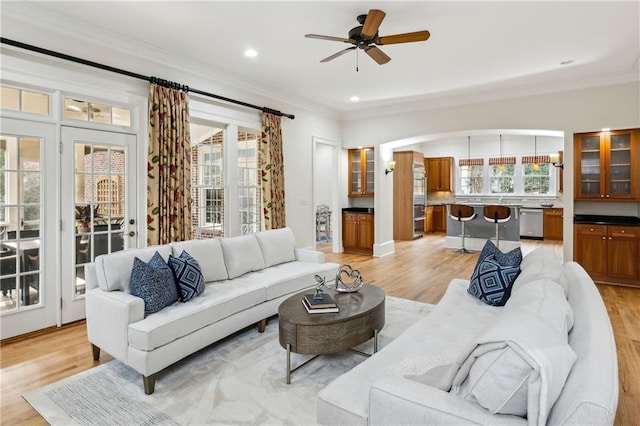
[(370, 170), (356, 172), (249, 192), (590, 165), (99, 204), (620, 164), (20, 223)]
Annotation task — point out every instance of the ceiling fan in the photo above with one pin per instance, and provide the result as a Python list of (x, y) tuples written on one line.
[(365, 36)]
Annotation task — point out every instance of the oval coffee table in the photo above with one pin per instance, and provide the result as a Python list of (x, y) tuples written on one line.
[(361, 317)]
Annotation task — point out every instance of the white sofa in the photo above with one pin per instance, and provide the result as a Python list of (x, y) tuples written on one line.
[(401, 383), (246, 279)]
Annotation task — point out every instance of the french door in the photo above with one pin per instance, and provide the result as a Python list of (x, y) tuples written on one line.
[(28, 219), (98, 208)]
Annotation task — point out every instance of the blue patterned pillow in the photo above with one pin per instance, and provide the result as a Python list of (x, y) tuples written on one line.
[(491, 282), (512, 258), (154, 283), (188, 275)]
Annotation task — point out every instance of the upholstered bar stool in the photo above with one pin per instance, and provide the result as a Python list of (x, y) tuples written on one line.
[(462, 213), (497, 215)]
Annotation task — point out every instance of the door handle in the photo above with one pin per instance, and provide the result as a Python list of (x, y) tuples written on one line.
[(132, 233)]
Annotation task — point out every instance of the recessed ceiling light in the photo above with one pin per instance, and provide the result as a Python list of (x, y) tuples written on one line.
[(355, 99), (567, 62), (251, 53)]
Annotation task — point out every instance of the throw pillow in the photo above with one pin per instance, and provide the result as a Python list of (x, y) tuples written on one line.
[(188, 275), (512, 258), (491, 282), (153, 282)]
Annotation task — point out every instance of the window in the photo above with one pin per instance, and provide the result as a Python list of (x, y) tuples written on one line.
[(502, 178), (536, 179), (249, 192), (207, 180), (24, 100), (471, 172), (75, 109)]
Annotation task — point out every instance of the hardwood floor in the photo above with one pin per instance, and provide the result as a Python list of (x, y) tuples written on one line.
[(418, 270)]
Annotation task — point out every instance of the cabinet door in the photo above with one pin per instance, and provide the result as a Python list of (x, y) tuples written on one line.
[(623, 251), (428, 219), (590, 167), (553, 224), (355, 172), (369, 171), (621, 165), (365, 231), (349, 231), (446, 165), (591, 248), (361, 172)]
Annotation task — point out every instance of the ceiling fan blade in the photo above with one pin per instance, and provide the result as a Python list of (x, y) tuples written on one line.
[(335, 55), (373, 21), (404, 38), (324, 37), (377, 55)]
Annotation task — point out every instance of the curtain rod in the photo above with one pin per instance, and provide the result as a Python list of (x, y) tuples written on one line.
[(155, 80)]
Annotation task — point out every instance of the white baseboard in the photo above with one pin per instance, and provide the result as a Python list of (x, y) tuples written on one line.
[(476, 244), (384, 249)]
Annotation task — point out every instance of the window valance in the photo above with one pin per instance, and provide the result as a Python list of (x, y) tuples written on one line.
[(494, 161), (536, 159), (471, 162)]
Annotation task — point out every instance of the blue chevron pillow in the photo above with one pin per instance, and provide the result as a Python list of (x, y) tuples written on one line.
[(189, 279), (491, 282)]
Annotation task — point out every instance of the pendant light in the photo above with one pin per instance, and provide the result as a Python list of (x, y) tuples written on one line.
[(536, 166), (501, 165), (468, 153)]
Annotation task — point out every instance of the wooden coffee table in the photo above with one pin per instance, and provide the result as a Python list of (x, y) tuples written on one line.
[(361, 317)]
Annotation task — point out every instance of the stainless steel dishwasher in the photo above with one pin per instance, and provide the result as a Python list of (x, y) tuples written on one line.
[(531, 224)]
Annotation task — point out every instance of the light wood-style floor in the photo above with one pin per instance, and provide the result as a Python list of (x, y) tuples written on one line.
[(418, 270)]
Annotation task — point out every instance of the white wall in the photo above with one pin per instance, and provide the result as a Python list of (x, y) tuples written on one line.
[(616, 107)]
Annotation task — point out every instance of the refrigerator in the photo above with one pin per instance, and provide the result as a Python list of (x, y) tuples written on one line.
[(419, 199)]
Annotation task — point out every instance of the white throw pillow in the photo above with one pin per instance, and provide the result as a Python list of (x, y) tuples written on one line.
[(277, 246), (541, 263), (208, 253), (241, 255), (546, 299), (114, 269)]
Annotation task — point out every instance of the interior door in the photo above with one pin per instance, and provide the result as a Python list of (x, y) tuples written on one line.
[(98, 205), (28, 235)]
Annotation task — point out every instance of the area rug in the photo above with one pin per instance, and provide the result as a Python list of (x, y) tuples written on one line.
[(240, 380)]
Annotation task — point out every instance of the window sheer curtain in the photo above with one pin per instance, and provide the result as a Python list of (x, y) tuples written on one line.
[(168, 167), (272, 172)]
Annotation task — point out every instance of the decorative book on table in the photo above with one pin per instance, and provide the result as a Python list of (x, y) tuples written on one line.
[(319, 306)]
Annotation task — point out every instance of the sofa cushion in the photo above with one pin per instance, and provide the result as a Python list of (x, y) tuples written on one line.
[(220, 300), (541, 263), (519, 366), (546, 299), (188, 275), (154, 283), (277, 246), (241, 255), (114, 269), (208, 253), (491, 282)]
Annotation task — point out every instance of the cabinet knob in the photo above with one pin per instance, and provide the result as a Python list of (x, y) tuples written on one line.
[(609, 237), (601, 196), (590, 229), (607, 195), (622, 231), (604, 238)]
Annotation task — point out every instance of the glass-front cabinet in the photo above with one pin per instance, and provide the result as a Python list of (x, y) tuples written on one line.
[(606, 165), (361, 172)]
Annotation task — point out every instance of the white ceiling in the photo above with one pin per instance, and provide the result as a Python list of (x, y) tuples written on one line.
[(477, 50)]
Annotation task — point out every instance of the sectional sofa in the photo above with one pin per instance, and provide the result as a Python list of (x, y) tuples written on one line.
[(246, 279), (548, 356)]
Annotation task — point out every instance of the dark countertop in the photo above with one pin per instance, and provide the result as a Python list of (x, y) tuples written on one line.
[(606, 220), (357, 210)]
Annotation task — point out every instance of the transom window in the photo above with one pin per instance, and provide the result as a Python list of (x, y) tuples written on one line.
[(75, 109), (24, 100)]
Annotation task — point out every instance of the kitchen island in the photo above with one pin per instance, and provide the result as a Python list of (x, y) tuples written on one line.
[(478, 230)]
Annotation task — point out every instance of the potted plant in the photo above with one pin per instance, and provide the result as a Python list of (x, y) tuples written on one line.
[(83, 218)]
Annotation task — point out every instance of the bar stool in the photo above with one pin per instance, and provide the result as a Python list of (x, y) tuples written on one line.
[(462, 213), (497, 215)]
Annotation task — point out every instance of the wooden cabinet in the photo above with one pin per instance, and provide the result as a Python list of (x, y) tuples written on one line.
[(553, 224), (357, 232), (606, 165), (609, 253), (439, 171), (436, 219), (408, 195), (361, 172)]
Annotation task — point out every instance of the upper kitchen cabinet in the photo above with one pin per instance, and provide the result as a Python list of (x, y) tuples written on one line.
[(606, 165), (439, 170), (361, 172)]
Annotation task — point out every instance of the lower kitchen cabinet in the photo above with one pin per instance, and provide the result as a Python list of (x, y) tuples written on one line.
[(439, 219), (357, 233), (553, 224), (609, 253)]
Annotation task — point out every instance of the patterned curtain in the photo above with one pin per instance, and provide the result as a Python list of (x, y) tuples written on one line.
[(168, 167), (272, 172)]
